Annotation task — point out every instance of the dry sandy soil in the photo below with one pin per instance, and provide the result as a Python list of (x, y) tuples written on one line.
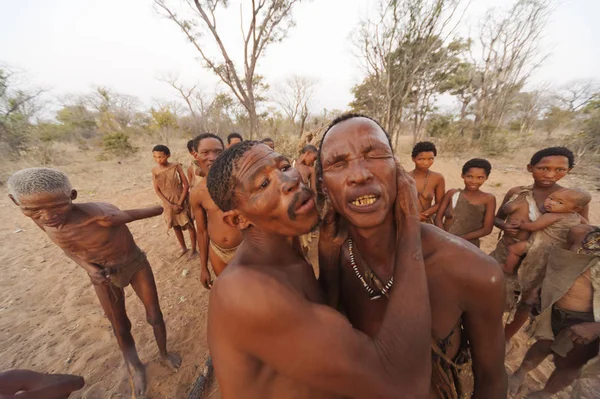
[(50, 319)]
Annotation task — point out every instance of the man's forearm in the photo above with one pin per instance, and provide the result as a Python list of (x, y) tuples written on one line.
[(144, 213), (88, 267)]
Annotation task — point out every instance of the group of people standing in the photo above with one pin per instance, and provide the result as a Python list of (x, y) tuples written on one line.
[(405, 304)]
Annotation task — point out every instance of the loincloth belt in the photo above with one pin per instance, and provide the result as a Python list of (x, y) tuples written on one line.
[(451, 378), (562, 320), (226, 254), (121, 275)]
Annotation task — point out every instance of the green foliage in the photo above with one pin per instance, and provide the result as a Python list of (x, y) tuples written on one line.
[(117, 144), (440, 126)]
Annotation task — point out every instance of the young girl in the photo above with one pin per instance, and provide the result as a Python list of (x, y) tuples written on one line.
[(430, 185), (171, 186), (469, 213)]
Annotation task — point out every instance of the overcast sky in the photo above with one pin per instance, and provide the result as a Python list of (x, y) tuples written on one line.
[(69, 46)]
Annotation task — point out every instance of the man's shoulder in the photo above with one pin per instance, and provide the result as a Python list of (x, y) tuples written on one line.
[(97, 208), (199, 190), (460, 259)]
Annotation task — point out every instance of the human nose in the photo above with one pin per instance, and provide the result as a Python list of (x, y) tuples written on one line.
[(359, 173), (289, 182)]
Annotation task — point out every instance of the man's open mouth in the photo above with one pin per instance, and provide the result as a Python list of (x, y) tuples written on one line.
[(365, 200)]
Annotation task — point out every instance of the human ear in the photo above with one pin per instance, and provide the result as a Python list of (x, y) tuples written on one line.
[(73, 195), (13, 199), (530, 168), (235, 219)]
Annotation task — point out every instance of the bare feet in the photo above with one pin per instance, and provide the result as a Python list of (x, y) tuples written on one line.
[(172, 361), (183, 252), (515, 382), (193, 254), (138, 383)]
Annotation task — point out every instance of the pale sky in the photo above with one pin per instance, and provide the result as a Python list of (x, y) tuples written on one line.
[(68, 46)]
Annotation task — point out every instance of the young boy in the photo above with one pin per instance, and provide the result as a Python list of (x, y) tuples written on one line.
[(95, 236), (217, 240), (469, 213), (561, 215), (171, 186), (194, 172)]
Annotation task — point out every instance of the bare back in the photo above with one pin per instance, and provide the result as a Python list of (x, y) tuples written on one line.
[(82, 237)]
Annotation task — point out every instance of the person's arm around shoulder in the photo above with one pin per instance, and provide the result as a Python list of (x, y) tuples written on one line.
[(439, 217), (483, 300), (197, 196), (332, 236)]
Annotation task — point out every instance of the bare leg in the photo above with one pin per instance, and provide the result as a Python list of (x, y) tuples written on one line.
[(513, 257), (535, 355), (192, 231), (521, 315), (113, 303), (217, 263), (145, 287), (567, 369), (179, 235)]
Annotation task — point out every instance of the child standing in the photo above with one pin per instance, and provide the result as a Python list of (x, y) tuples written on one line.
[(172, 186), (469, 213)]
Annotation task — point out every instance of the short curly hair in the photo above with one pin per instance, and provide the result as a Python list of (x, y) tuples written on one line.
[(38, 180), (162, 148), (424, 146), (221, 180), (552, 152), (478, 163)]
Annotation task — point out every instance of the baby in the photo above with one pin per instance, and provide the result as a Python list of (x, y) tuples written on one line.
[(561, 215)]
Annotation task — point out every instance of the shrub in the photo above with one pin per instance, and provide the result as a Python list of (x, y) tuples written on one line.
[(117, 144)]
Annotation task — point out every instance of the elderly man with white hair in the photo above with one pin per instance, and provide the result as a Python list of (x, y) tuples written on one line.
[(95, 236)]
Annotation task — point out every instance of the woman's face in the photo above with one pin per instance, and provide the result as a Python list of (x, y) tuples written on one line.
[(424, 160), (549, 170)]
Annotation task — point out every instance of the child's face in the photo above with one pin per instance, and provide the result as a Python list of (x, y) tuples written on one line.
[(549, 170), (160, 157), (560, 202), (474, 178), (424, 160), (47, 209)]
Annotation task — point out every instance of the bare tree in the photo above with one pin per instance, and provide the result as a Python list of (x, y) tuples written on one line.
[(268, 23), (576, 94), (294, 96), (185, 93), (395, 46), (509, 54)]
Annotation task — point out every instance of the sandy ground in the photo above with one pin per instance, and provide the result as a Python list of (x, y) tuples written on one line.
[(50, 319)]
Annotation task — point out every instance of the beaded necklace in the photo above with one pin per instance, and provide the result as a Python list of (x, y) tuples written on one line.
[(385, 289)]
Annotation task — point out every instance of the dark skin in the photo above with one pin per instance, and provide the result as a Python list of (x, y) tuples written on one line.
[(32, 385), (162, 160), (95, 236), (432, 193), (584, 336), (306, 166), (233, 141), (209, 218), (474, 179), (275, 338), (546, 174), (462, 281), (192, 170)]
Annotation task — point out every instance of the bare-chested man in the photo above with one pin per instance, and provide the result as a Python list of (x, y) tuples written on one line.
[(95, 236), (466, 289), (269, 331), (569, 326), (217, 240)]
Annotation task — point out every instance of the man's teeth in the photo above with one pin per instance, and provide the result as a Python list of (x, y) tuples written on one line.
[(364, 200)]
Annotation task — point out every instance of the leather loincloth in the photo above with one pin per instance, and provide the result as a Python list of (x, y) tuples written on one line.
[(225, 254), (120, 276)]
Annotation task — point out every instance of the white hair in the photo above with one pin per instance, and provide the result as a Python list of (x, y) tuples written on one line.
[(38, 180)]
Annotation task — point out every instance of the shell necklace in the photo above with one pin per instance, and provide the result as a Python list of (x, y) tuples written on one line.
[(383, 290)]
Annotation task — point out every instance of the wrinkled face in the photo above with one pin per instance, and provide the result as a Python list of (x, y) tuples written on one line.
[(474, 178), (232, 141), (424, 160), (549, 170), (47, 209), (359, 172), (160, 157), (208, 150), (271, 196), (561, 201)]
